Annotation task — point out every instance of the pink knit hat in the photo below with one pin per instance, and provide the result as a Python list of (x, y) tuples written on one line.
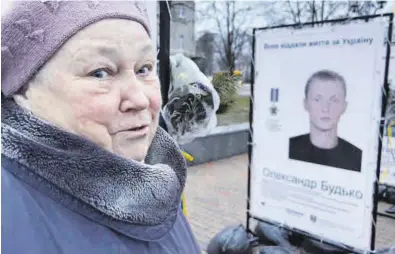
[(32, 31)]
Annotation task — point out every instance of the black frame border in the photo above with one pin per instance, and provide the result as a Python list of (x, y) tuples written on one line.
[(383, 108)]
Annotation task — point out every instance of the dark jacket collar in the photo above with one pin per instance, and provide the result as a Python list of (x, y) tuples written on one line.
[(136, 199)]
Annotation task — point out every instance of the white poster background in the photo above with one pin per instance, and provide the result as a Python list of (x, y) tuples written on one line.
[(339, 218)]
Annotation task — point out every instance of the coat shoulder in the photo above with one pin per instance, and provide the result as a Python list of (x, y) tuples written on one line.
[(45, 226), (18, 226)]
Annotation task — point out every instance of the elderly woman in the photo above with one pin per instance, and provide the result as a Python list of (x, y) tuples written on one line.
[(85, 167)]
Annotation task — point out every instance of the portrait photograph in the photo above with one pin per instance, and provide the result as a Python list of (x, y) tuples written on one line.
[(325, 102)]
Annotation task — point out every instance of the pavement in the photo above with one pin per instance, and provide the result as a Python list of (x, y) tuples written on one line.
[(216, 197), (245, 90)]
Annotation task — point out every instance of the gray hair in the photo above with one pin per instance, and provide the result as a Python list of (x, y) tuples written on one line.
[(325, 75)]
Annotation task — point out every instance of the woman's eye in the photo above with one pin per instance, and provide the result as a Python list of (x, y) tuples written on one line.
[(145, 70), (100, 73)]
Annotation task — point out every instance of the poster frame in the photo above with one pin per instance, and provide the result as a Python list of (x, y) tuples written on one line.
[(164, 49), (385, 91)]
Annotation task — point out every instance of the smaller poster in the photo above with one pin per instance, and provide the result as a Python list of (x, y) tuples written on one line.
[(387, 169), (387, 172)]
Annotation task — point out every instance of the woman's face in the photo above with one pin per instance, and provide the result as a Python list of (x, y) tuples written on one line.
[(102, 85)]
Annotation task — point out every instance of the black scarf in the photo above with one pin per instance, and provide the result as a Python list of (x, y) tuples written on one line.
[(137, 199)]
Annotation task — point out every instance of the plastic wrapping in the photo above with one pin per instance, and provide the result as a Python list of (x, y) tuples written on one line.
[(272, 235), (314, 246), (285, 241), (231, 240), (391, 210), (381, 192), (385, 251), (193, 101), (389, 196)]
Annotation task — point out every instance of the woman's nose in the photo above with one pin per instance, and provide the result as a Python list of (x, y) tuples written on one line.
[(134, 96)]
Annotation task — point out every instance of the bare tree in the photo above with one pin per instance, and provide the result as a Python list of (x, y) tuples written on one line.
[(285, 12), (233, 20), (205, 49), (231, 25), (362, 8)]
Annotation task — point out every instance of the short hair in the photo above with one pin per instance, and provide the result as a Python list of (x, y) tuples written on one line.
[(325, 75)]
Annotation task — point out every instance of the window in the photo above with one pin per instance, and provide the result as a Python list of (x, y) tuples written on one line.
[(181, 13), (181, 41)]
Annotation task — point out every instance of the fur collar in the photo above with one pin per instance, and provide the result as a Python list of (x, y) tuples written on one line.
[(137, 199)]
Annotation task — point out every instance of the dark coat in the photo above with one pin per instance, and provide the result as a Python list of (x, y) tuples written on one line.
[(33, 223), (62, 194)]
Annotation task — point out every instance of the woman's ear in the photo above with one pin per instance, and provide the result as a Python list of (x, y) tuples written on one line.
[(26, 96), (22, 101)]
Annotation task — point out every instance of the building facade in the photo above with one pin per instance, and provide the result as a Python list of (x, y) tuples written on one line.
[(182, 28)]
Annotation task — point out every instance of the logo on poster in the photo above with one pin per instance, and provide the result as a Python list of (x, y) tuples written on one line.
[(273, 123), (274, 94), (313, 218)]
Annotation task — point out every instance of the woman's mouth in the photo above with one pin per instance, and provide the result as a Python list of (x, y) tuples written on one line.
[(136, 132), (138, 128)]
